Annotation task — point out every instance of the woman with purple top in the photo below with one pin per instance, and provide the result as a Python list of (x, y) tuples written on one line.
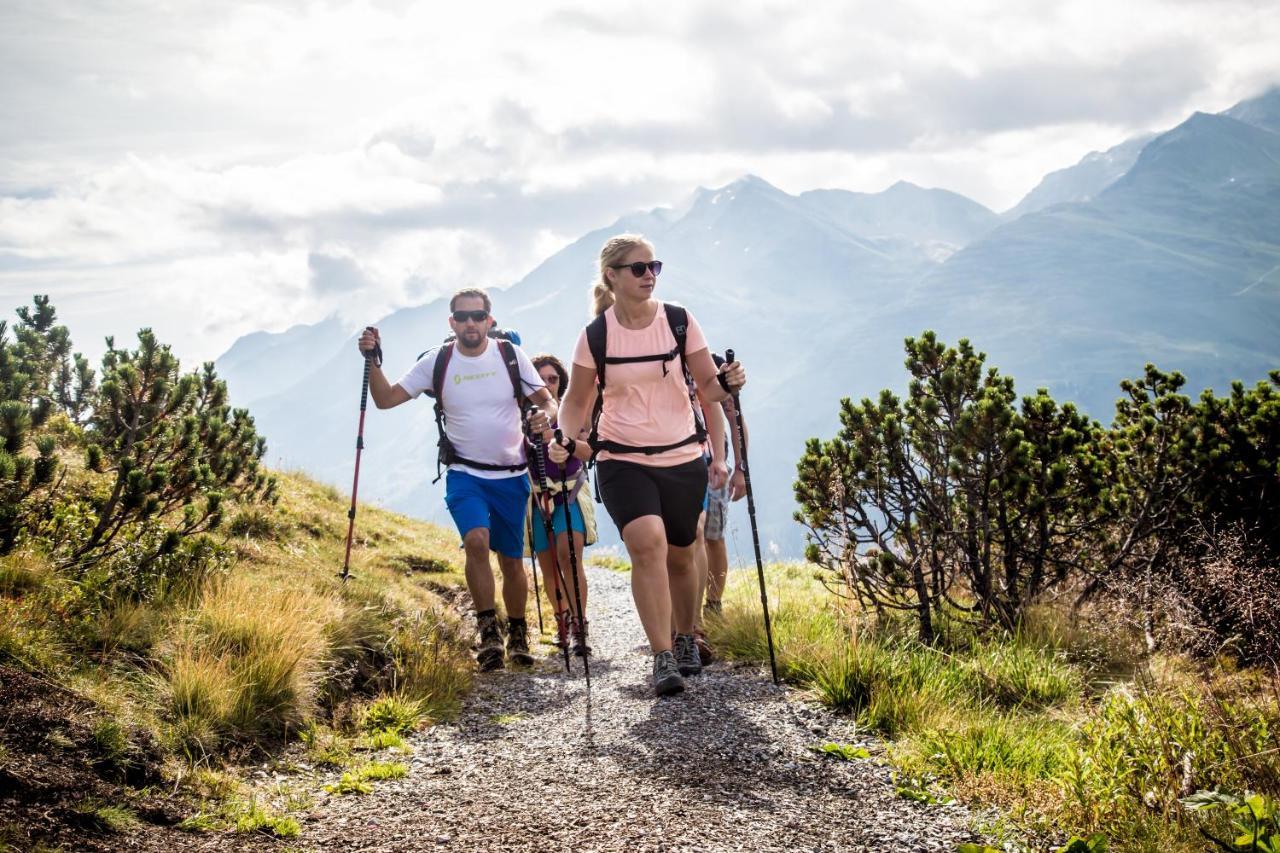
[(571, 628)]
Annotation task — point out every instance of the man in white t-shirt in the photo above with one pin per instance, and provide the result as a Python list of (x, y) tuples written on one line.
[(486, 487)]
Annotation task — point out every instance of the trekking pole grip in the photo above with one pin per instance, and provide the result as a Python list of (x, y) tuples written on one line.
[(373, 356)]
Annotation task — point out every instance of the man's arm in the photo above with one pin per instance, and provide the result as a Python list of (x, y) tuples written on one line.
[(384, 394), (546, 414)]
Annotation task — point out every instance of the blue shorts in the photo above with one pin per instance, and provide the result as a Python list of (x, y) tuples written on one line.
[(557, 525), (497, 505)]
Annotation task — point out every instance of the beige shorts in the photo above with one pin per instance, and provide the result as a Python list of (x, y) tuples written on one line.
[(717, 512)]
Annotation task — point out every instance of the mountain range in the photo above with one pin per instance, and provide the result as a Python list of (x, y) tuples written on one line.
[(1165, 248)]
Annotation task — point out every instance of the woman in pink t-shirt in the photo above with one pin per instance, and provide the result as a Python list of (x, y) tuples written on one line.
[(651, 472)]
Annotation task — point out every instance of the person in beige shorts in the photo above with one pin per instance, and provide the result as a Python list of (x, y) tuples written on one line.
[(718, 500)]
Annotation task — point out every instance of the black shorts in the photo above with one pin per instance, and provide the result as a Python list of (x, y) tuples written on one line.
[(630, 490)]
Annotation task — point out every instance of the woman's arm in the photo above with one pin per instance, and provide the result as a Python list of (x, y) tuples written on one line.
[(718, 470), (575, 409), (705, 375)]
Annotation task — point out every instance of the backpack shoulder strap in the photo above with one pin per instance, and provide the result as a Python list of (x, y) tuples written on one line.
[(597, 343), (508, 352), (438, 370), (678, 320)]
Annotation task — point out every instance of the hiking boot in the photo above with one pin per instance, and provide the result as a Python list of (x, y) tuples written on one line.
[(712, 608), (489, 648), (666, 675), (686, 654), (704, 648), (578, 639), (518, 642), (562, 630)]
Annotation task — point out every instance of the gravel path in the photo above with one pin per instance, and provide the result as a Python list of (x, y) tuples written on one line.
[(536, 762)]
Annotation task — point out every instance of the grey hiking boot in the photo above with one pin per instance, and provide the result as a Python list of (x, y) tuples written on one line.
[(518, 642), (666, 675), (489, 648), (686, 654)]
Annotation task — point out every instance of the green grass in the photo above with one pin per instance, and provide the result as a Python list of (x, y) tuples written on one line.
[(112, 742), (242, 816), (359, 780), (384, 740), (396, 714), (612, 562), (1048, 724), (379, 770), (105, 817), (506, 719)]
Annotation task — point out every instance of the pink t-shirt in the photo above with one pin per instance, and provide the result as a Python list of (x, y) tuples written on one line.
[(642, 407)]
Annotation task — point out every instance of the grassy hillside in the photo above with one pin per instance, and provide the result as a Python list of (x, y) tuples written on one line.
[(112, 704), (1069, 727)]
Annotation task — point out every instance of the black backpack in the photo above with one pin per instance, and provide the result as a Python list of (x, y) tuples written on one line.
[(597, 334), (447, 454)]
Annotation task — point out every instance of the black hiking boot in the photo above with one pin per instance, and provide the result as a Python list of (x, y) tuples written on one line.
[(666, 675), (518, 642), (489, 647), (578, 639), (686, 654)]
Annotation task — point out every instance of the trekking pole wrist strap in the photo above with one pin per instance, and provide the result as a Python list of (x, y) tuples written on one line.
[(724, 383)]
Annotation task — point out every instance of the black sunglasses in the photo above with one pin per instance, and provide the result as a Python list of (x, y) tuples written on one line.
[(638, 268), (478, 316)]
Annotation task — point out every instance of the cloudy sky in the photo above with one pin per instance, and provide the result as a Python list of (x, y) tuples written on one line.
[(212, 169)]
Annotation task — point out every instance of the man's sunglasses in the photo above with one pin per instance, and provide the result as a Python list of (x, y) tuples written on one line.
[(478, 316), (638, 268)]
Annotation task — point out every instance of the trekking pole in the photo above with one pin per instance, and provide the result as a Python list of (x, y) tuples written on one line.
[(540, 470), (370, 358), (755, 533), (573, 560), (533, 566)]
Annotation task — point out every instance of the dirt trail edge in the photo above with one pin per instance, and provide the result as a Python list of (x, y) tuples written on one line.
[(535, 763)]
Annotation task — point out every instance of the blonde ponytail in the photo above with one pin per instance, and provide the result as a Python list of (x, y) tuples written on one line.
[(601, 298), (613, 251)]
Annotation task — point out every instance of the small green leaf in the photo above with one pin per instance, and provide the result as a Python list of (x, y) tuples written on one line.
[(842, 751), (1209, 800)]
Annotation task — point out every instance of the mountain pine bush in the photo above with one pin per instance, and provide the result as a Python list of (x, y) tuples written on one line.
[(954, 487), (163, 454), (959, 499)]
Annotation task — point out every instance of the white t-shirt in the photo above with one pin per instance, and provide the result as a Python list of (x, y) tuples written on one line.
[(481, 416)]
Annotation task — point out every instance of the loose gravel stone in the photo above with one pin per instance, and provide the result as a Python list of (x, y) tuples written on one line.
[(536, 761)]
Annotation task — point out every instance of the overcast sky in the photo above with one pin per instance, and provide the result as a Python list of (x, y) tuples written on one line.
[(212, 169)]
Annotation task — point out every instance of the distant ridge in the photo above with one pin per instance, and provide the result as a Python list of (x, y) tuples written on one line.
[(1176, 261)]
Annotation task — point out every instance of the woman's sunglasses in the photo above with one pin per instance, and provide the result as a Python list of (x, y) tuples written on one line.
[(638, 268), (473, 316)]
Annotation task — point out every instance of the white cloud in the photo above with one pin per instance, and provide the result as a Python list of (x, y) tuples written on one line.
[(215, 169)]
